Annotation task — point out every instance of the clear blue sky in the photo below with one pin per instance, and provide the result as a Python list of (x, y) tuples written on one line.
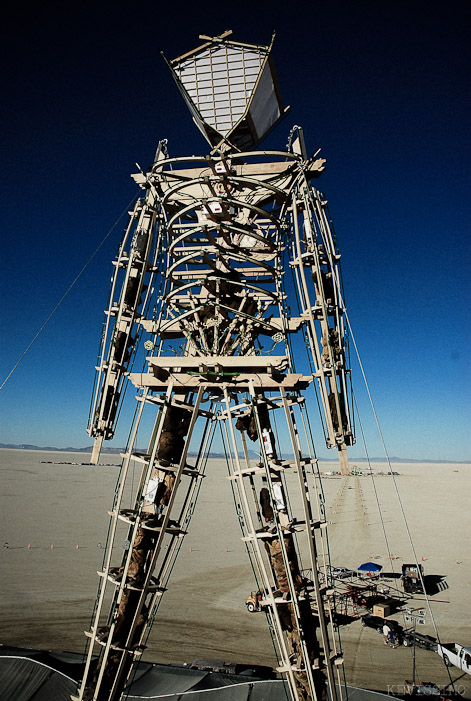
[(381, 88)]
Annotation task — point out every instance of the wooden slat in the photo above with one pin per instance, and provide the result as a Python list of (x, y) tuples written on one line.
[(184, 383), (210, 361)]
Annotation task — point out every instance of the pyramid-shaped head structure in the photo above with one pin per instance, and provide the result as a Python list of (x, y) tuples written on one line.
[(231, 90)]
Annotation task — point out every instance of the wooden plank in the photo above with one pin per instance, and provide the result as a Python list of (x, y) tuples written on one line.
[(209, 361), (204, 272), (189, 383), (245, 169), (175, 327), (249, 169)]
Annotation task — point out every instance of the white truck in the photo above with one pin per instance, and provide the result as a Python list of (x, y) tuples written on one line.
[(457, 655)]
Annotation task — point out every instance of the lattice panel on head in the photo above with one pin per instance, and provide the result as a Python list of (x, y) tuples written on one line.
[(220, 82), (231, 91)]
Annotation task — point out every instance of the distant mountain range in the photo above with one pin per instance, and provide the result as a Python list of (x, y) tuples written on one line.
[(50, 448), (116, 451)]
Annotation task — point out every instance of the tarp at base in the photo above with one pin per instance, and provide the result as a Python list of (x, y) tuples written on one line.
[(38, 675), (23, 679)]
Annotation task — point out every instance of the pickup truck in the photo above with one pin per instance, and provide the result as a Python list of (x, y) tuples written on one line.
[(457, 655), (377, 623), (412, 577)]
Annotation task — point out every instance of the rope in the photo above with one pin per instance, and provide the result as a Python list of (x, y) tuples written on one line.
[(374, 487), (65, 295), (404, 518)]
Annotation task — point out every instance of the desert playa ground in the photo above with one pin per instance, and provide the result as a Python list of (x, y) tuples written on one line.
[(54, 520)]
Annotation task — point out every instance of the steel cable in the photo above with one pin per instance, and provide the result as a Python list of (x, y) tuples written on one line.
[(65, 294)]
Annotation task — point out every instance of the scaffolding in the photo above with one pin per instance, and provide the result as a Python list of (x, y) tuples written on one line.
[(203, 272)]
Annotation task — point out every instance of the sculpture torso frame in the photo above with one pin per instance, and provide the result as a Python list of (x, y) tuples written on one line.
[(217, 235)]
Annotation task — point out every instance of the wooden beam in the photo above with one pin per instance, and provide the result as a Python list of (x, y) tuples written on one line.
[(225, 361), (184, 383), (220, 37)]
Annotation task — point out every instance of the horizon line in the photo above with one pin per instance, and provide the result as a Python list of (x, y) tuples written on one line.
[(116, 451)]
